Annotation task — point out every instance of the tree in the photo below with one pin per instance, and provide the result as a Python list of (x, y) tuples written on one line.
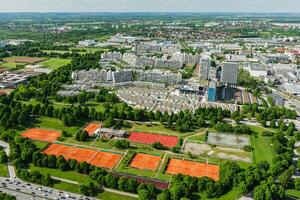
[(144, 195), (3, 157), (88, 188), (297, 183), (122, 144)]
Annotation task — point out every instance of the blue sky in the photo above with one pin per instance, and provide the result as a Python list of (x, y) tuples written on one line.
[(150, 5)]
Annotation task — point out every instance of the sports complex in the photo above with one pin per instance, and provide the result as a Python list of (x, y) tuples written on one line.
[(145, 164)]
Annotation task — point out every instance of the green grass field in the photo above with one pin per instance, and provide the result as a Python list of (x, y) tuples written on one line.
[(10, 65), (70, 175), (3, 170), (262, 146), (74, 188), (54, 124), (55, 63), (293, 193)]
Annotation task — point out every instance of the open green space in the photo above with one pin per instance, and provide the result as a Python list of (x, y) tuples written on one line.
[(235, 193), (293, 193), (69, 175), (40, 144), (3, 170), (53, 123), (114, 196), (262, 146), (55, 63), (69, 187), (10, 65)]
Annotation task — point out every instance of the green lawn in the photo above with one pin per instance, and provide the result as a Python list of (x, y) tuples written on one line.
[(40, 144), (197, 138), (262, 146), (10, 65), (73, 188), (70, 175), (235, 193), (54, 124), (293, 193), (55, 63), (113, 196), (3, 170), (69, 187)]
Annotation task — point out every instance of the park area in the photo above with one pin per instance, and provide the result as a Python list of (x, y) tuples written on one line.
[(192, 168), (150, 138), (145, 162), (41, 134)]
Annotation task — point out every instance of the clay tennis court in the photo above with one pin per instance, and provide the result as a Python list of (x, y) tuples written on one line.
[(81, 155), (106, 160), (92, 127), (30, 60), (41, 134), (150, 138), (58, 150), (193, 168), (145, 161)]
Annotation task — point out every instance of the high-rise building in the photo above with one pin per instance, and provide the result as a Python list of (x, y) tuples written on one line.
[(229, 74), (204, 66), (212, 91)]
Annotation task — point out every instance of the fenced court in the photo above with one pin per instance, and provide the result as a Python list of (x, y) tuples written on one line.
[(81, 155), (192, 168), (58, 150), (41, 134), (92, 127), (106, 160), (228, 139), (150, 138), (145, 161)]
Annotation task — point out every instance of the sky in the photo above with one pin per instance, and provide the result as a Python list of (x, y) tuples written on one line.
[(149, 5)]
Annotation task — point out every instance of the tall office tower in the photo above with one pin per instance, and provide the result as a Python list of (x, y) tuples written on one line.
[(212, 91), (229, 74), (204, 66)]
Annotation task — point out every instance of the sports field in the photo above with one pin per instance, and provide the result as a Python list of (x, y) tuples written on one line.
[(41, 134), (92, 127), (145, 161), (22, 59), (99, 159), (150, 138), (192, 168), (58, 150), (81, 154), (106, 160)]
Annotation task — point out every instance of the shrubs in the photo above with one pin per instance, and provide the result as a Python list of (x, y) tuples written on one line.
[(267, 133), (82, 136), (122, 144)]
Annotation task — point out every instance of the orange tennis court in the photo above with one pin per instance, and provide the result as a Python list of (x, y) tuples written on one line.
[(106, 160), (92, 127), (145, 161), (81, 155), (58, 150), (193, 169), (41, 134), (150, 138)]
